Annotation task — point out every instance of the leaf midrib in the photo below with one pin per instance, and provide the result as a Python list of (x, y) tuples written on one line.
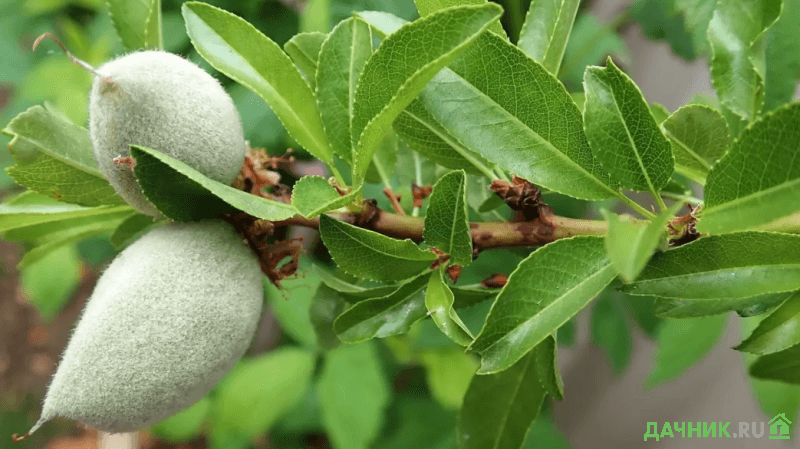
[(790, 185), (787, 266)]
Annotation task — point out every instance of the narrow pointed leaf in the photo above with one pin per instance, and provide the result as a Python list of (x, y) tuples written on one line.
[(383, 317), (314, 195), (546, 31), (783, 57), (370, 255), (130, 229), (729, 266), (699, 137), (153, 33), (138, 23), (237, 49), (778, 331), (610, 331), (439, 302), (737, 35), (547, 289), (23, 215), (304, 48), (547, 366), (446, 225), (341, 61), (184, 194), (349, 289), (682, 343), (622, 132), (783, 366), (326, 305), (402, 65), (688, 308), (758, 180), (428, 7)]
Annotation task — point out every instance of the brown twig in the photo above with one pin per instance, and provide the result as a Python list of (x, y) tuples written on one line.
[(395, 200)]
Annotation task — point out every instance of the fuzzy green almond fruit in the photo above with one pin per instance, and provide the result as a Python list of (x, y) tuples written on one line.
[(165, 102), (171, 315)]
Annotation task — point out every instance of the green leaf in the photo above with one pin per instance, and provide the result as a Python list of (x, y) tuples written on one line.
[(737, 36), (237, 49), (138, 23), (428, 7), (547, 289), (326, 305), (304, 49), (589, 44), (184, 194), (266, 386), (50, 282), (729, 266), (186, 425), (783, 366), (778, 331), (130, 230), (499, 408), (54, 157), (660, 113), (547, 366), (642, 309), (341, 61), (783, 57), (610, 331), (15, 216), (546, 31), (405, 61), (353, 395), (446, 225), (630, 244), (622, 132), (292, 302), (370, 255), (439, 302), (699, 137), (757, 181), (448, 374), (314, 195), (688, 308), (485, 107), (383, 317), (682, 343), (659, 19), (418, 422), (350, 289), (696, 16)]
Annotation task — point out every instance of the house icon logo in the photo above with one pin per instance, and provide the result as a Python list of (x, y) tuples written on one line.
[(779, 427)]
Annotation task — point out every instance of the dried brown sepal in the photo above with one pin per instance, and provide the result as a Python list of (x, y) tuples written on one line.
[(520, 195), (126, 161), (682, 229), (17, 438), (441, 260), (420, 193), (495, 281), (454, 272)]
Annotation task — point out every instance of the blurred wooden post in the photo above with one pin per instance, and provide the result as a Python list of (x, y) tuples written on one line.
[(116, 441)]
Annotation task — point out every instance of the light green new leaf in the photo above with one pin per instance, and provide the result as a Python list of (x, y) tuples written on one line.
[(266, 386), (383, 317), (439, 302), (371, 255), (546, 31), (405, 61), (547, 289), (682, 343), (446, 225), (631, 244), (314, 195), (341, 61), (783, 366), (737, 35), (728, 266), (699, 137), (184, 194), (622, 132), (16, 215), (237, 49), (138, 23), (783, 57), (54, 157), (428, 7), (49, 283), (499, 408), (758, 180), (350, 289), (186, 425), (688, 308), (304, 48), (292, 312), (353, 396), (610, 331), (448, 374), (778, 331)]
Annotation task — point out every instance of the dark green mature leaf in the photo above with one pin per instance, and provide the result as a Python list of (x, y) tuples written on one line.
[(49, 283), (783, 57), (353, 395), (737, 35), (778, 331), (370, 255), (610, 331), (341, 61), (729, 266), (688, 308), (130, 229), (699, 137), (184, 194), (547, 366), (783, 366), (546, 31), (350, 289), (314, 195), (237, 49), (54, 157), (446, 225), (401, 67), (428, 7), (758, 180), (383, 317), (660, 19), (326, 305), (439, 303), (549, 287), (488, 109), (138, 23), (304, 49), (589, 44), (499, 408), (682, 343), (696, 15), (418, 422), (622, 132)]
